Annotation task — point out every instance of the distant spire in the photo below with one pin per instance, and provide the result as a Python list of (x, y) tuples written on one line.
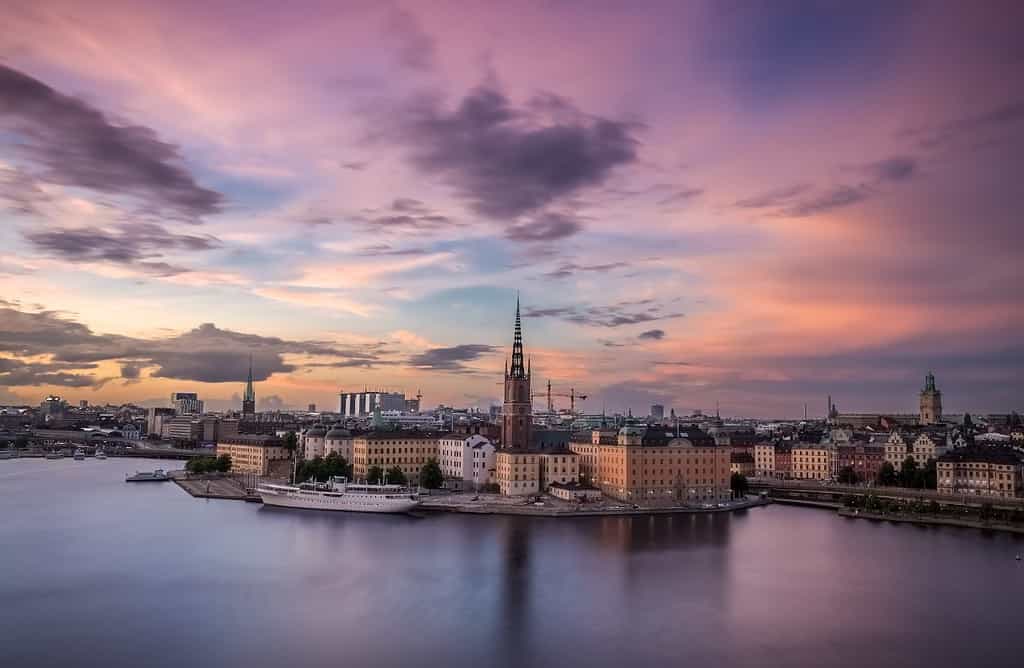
[(518, 370), (250, 393)]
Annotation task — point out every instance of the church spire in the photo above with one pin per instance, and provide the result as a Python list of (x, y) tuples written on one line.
[(518, 370), (249, 399), (250, 394)]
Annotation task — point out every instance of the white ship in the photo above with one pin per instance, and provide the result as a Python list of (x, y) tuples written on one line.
[(339, 494)]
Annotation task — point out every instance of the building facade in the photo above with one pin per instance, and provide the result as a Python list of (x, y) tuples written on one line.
[(262, 455), (408, 450), (516, 414), (186, 403), (813, 462), (361, 404), (764, 460), (655, 468), (866, 460), (992, 471), (466, 460), (517, 472)]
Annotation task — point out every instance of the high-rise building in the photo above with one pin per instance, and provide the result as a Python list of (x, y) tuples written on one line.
[(186, 403), (249, 398), (312, 408), (657, 411), (361, 404), (516, 418), (931, 402)]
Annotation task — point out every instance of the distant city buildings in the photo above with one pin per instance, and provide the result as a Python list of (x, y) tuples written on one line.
[(362, 404), (657, 412), (186, 403)]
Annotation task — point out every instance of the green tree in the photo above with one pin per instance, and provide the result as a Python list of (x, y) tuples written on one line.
[(738, 484), (199, 465), (930, 475), (291, 441), (848, 476), (430, 475), (887, 475), (222, 464), (396, 476), (336, 465), (374, 474), (908, 472)]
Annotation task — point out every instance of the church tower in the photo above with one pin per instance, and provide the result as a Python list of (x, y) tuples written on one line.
[(931, 402), (249, 399), (516, 419)]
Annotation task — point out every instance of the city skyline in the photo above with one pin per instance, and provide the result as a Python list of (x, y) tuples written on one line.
[(695, 209)]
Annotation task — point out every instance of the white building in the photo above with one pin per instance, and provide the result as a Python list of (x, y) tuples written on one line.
[(467, 459), (361, 404)]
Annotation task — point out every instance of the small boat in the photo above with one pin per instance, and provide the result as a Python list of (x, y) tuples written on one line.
[(79, 455), (1018, 557), (7, 454), (54, 455), (100, 454), (158, 475)]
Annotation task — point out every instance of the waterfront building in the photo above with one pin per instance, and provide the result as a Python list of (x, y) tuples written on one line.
[(338, 441), (249, 396), (865, 459), (517, 472), (813, 462), (408, 450), (362, 404), (652, 466), (186, 403), (742, 463), (931, 402), (783, 461), (574, 491), (516, 420), (259, 454), (558, 466), (466, 460), (764, 460), (991, 471), (312, 442)]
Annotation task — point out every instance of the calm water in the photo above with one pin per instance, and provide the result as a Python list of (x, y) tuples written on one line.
[(96, 572)]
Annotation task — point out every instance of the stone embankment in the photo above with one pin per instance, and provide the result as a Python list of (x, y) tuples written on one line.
[(966, 523)]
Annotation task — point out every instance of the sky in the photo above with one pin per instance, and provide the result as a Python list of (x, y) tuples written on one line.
[(754, 204)]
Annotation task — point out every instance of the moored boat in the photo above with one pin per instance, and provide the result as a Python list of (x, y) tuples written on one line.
[(340, 495), (100, 454), (79, 455), (158, 475), (54, 455)]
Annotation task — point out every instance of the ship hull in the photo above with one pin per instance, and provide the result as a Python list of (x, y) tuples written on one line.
[(351, 503)]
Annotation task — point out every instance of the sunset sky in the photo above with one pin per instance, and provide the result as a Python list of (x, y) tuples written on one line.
[(751, 203)]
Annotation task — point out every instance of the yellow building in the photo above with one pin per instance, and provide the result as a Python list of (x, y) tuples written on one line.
[(652, 467), (764, 460), (262, 455), (561, 466), (812, 462), (408, 450), (517, 472)]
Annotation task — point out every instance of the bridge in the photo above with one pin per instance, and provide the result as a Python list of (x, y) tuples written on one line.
[(827, 494)]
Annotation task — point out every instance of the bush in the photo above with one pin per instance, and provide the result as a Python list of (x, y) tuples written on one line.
[(430, 475)]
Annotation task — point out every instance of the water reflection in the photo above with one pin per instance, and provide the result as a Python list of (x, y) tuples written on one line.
[(150, 576)]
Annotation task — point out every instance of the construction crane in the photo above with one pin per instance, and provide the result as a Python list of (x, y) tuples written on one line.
[(572, 396)]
